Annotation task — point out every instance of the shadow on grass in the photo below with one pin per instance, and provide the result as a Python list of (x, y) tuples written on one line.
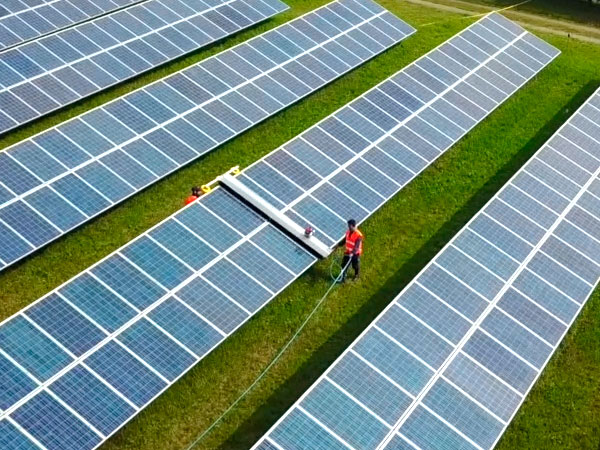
[(281, 400)]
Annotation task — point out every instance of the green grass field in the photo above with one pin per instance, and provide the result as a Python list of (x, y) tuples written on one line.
[(563, 409), (574, 10)]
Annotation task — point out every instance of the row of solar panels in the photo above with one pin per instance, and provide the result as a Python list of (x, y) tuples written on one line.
[(66, 175), (23, 20), (116, 336), (451, 359), (49, 73), (143, 316), (354, 161)]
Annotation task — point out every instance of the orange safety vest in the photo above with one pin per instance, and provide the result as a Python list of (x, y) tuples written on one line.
[(190, 199), (351, 242)]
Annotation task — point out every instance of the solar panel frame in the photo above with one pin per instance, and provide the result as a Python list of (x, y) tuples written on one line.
[(154, 324), (168, 147), (49, 17), (52, 72), (443, 334)]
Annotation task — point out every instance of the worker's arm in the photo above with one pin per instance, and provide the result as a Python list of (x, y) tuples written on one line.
[(356, 246)]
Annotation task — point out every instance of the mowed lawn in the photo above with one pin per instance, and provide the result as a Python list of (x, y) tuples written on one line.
[(573, 10), (563, 409)]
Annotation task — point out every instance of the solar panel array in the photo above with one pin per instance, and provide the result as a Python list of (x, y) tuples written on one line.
[(141, 318), (80, 362), (355, 160), (22, 21), (62, 177), (49, 73), (451, 359)]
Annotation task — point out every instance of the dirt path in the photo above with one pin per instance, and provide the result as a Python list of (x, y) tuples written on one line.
[(532, 21)]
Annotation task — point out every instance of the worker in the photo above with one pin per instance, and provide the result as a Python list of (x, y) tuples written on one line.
[(195, 194), (353, 250)]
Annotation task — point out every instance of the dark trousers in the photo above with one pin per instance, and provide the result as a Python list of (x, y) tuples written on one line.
[(355, 265)]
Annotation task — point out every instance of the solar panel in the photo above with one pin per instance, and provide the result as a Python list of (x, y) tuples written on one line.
[(82, 361), (22, 21), (451, 359), (46, 74), (62, 177), (353, 161)]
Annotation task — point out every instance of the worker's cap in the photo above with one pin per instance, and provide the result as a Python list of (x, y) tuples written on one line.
[(352, 223)]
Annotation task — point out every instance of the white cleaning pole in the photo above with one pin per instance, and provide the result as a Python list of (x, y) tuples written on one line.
[(275, 215)]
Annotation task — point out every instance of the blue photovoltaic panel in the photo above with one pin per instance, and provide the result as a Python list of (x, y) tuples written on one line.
[(43, 75), (53, 425), (450, 360), (12, 438), (378, 143), (92, 162), (22, 21), (79, 363)]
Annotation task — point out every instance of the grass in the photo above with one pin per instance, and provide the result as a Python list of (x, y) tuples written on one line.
[(562, 410), (575, 10)]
